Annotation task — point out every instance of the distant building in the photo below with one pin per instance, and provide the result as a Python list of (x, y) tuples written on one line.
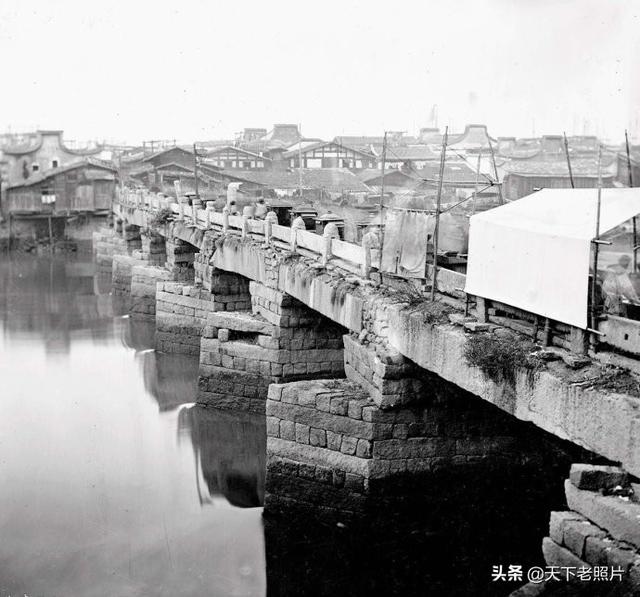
[(281, 137), (623, 169), (87, 185), (315, 182), (250, 134), (327, 154), (542, 163), (409, 156), (237, 158), (39, 152)]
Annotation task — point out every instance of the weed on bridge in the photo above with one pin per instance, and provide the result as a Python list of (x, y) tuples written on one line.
[(501, 357)]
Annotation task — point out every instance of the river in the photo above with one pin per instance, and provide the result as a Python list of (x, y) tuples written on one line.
[(111, 482)]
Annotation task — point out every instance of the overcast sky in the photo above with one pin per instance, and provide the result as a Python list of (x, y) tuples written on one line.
[(196, 69)]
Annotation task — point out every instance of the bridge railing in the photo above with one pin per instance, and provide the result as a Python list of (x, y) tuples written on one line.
[(348, 256)]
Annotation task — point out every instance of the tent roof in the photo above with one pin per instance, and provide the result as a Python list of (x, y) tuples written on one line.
[(566, 212), (535, 253)]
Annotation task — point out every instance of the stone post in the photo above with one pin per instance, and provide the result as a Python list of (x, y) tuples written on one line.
[(245, 226), (211, 207), (330, 232), (270, 219)]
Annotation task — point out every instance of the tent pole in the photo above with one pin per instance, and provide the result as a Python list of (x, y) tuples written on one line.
[(382, 226), (437, 227), (495, 170), (630, 176), (596, 248), (566, 151), (475, 190), (195, 170), (629, 173)]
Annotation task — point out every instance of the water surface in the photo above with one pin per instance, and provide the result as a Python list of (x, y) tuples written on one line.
[(111, 482)]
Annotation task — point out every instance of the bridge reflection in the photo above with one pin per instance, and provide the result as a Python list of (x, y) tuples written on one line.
[(230, 454)]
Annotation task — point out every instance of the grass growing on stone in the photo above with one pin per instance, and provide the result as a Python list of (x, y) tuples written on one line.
[(501, 357), (434, 311), (162, 217), (614, 379)]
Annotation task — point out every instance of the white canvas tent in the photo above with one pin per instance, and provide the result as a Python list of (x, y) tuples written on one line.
[(535, 253)]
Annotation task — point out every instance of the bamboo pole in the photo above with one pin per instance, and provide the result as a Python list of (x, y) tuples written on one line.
[(630, 178), (596, 249), (629, 173), (566, 151), (381, 209), (495, 169), (195, 170), (437, 226), (475, 190), (300, 160)]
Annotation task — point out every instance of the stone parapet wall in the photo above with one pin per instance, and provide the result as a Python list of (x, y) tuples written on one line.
[(181, 316)]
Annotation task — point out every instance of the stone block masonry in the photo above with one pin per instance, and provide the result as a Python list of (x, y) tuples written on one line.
[(390, 379), (332, 433), (132, 237), (180, 259), (154, 250), (144, 279), (107, 243), (121, 273), (181, 316), (602, 526), (280, 340)]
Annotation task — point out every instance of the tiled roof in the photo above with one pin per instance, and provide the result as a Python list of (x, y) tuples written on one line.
[(545, 167), (367, 174), (246, 152), (305, 146), (45, 174), (475, 136), (166, 150), (412, 153), (458, 173), (634, 154), (32, 146), (362, 143), (329, 179)]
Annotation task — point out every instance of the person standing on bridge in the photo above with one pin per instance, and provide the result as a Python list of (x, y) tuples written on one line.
[(230, 208), (249, 211), (298, 223), (261, 209), (618, 287)]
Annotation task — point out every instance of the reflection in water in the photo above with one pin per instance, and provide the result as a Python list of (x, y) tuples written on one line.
[(230, 453), (97, 494)]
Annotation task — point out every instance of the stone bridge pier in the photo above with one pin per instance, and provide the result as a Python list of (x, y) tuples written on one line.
[(107, 242), (279, 339)]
